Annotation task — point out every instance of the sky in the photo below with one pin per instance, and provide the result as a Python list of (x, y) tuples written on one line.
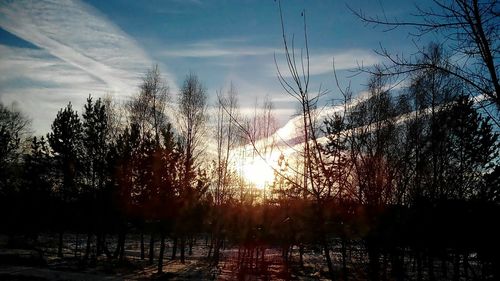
[(56, 51)]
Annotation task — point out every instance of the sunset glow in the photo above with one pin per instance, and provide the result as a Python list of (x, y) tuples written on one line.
[(258, 172)]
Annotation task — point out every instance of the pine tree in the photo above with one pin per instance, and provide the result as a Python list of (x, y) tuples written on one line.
[(470, 146), (66, 141), (95, 134), (38, 182)]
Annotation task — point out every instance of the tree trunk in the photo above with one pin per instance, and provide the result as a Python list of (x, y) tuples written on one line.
[(60, 245), (326, 250), (210, 247), (174, 249), (183, 249), (430, 260), (444, 268), (419, 265), (98, 244), (77, 244), (142, 246), (262, 253), (373, 260), (466, 265), (344, 258), (151, 248), (122, 250), (301, 254), (104, 247), (397, 264), (191, 242), (162, 251), (456, 267), (120, 247), (216, 250), (87, 248)]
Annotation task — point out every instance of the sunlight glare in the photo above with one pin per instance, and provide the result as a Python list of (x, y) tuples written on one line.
[(258, 172)]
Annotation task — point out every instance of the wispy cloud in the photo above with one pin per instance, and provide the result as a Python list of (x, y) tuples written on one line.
[(38, 66), (40, 83), (219, 48), (323, 63), (79, 35), (80, 52)]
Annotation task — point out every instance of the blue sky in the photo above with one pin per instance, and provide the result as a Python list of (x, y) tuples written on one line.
[(52, 52)]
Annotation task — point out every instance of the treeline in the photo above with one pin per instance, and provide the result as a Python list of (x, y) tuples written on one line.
[(408, 178), (98, 175), (402, 183)]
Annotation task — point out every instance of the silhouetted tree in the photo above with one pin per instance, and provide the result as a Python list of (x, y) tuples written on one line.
[(37, 191), (168, 176), (14, 128), (148, 111), (192, 119), (469, 29), (95, 141), (66, 141)]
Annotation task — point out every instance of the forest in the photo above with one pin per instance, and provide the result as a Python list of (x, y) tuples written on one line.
[(400, 183)]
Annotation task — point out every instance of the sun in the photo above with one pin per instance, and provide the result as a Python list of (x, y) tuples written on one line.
[(258, 172)]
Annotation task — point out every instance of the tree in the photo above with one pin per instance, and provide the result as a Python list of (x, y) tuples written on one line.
[(95, 140), (167, 165), (192, 120), (470, 146), (95, 135), (37, 193), (316, 180), (431, 91), (66, 141), (14, 129), (148, 108), (227, 140), (123, 168), (373, 147), (470, 31)]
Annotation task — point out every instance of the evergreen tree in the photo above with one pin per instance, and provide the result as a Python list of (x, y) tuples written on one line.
[(38, 178), (95, 135), (470, 147), (66, 141)]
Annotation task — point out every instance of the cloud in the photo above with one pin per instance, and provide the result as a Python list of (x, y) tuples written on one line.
[(78, 35), (218, 48), (323, 63), (40, 84), (38, 66), (79, 51)]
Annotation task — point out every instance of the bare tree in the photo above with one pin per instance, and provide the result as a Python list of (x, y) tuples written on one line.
[(148, 108), (14, 129), (227, 141), (470, 31), (261, 128), (115, 114), (317, 183), (192, 119)]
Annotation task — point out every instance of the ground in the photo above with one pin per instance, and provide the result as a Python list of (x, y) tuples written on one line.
[(43, 263)]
